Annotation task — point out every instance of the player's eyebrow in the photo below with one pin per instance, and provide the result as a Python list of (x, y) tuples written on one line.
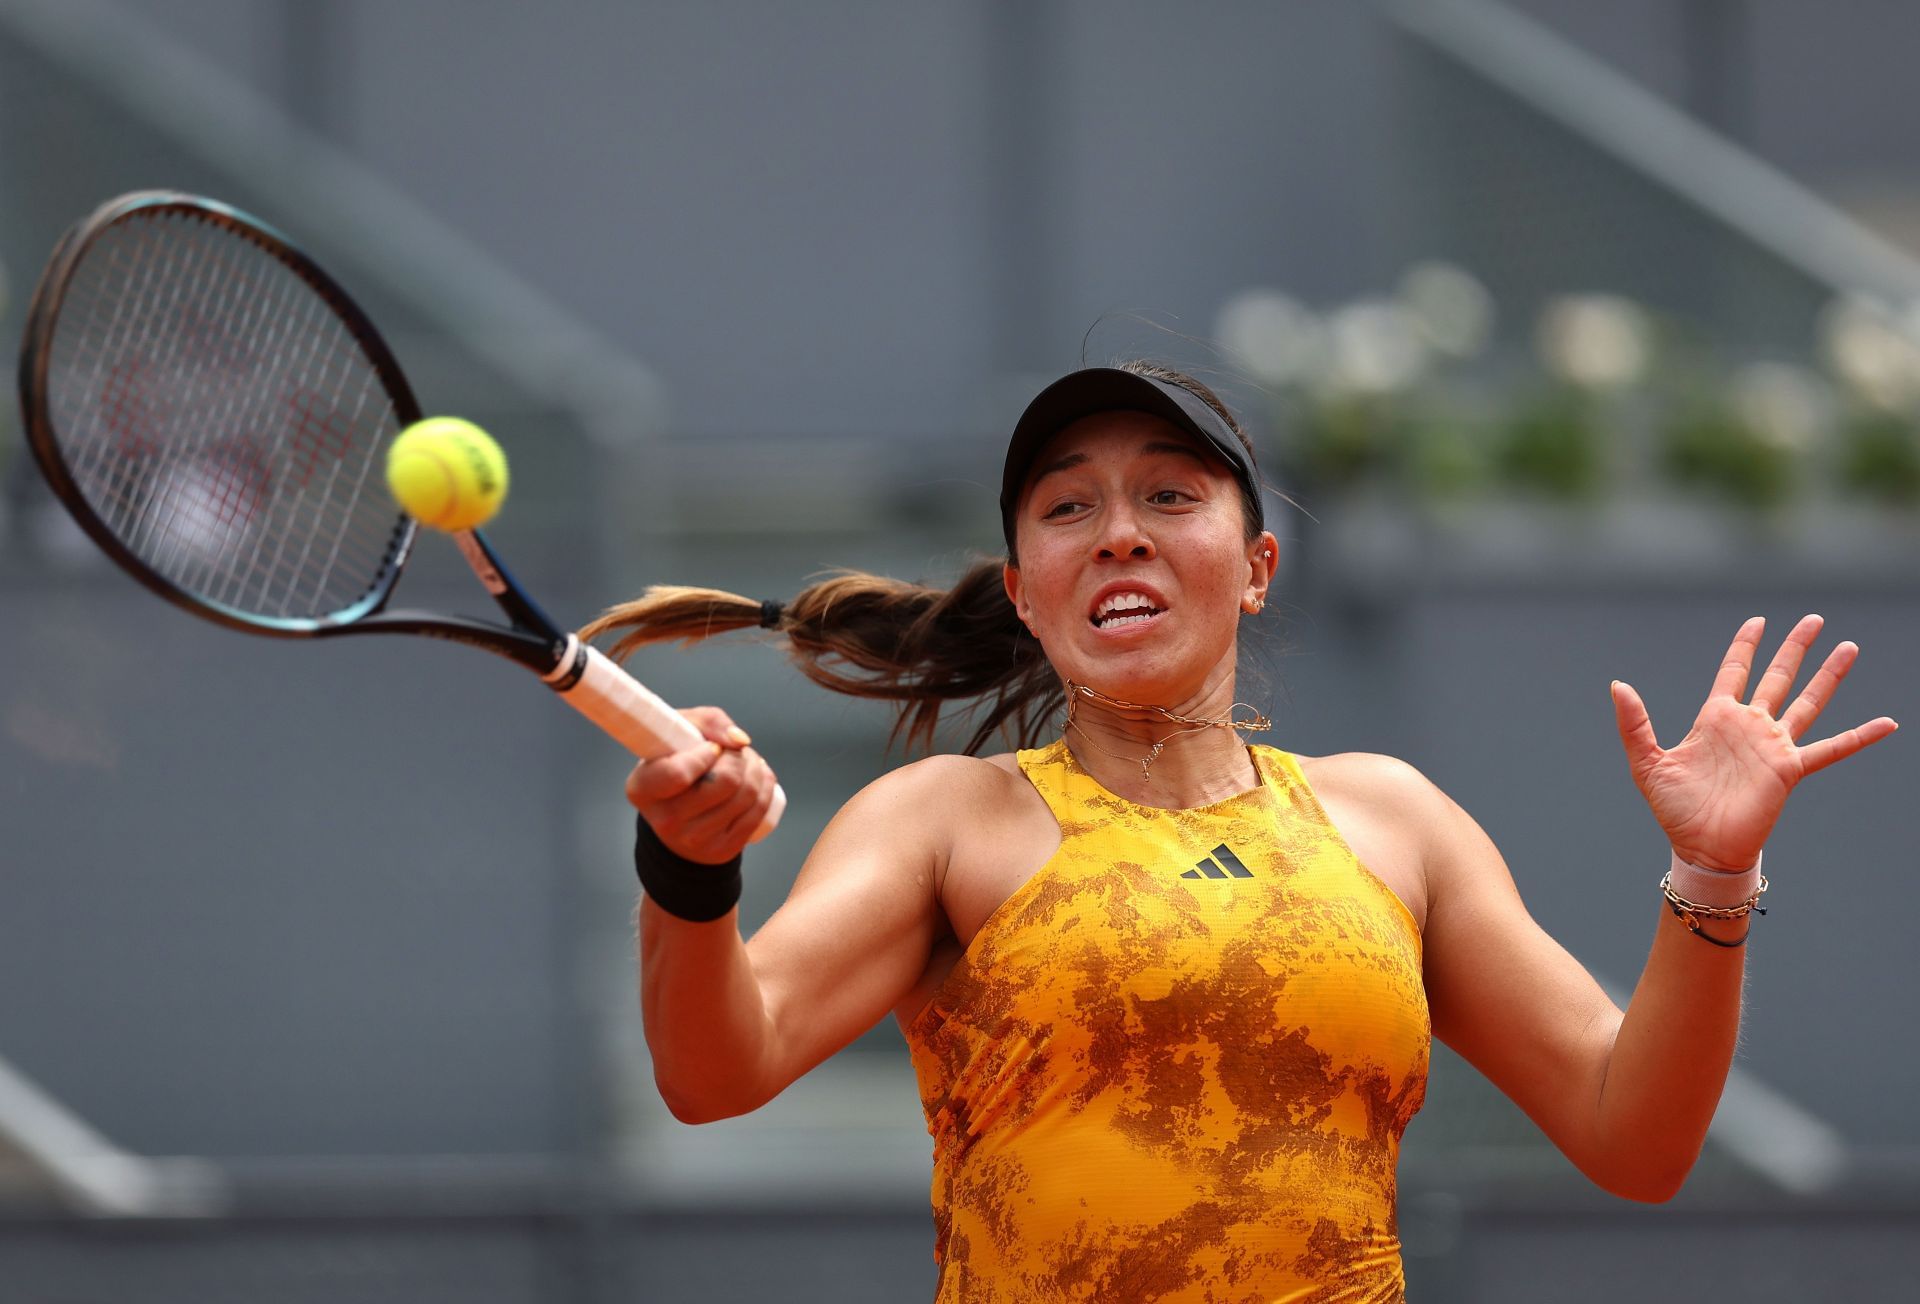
[(1168, 446), (1058, 464)]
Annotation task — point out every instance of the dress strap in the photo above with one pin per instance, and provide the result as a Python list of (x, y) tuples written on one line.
[(1050, 770), (1287, 781)]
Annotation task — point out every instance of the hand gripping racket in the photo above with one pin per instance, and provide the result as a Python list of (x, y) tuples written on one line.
[(214, 412)]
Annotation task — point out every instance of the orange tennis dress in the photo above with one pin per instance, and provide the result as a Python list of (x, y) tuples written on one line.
[(1176, 1064)]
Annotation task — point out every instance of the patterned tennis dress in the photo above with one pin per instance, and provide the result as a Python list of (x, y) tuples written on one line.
[(1176, 1064)]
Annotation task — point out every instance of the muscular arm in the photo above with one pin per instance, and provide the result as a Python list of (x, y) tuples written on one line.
[(1626, 1097), (1671, 1054), (731, 1023)]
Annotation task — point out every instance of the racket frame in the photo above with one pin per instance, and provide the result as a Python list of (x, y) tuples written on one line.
[(534, 641), (584, 677)]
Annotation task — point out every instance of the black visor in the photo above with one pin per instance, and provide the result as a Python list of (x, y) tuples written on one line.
[(1109, 389)]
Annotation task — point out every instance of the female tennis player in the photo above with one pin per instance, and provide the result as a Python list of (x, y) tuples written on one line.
[(1169, 995)]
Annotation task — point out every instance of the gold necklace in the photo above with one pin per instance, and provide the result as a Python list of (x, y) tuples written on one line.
[(1078, 692)]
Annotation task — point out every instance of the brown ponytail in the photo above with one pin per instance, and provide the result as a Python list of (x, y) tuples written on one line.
[(909, 644), (868, 636)]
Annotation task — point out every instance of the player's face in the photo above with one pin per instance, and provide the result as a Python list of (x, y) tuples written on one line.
[(1134, 561)]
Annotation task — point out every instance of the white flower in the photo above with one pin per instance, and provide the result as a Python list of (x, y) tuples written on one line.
[(1275, 337), (1597, 341), (1451, 307), (1784, 404), (1377, 348), (1871, 350)]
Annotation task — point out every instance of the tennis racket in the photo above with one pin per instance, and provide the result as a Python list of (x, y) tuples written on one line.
[(214, 412)]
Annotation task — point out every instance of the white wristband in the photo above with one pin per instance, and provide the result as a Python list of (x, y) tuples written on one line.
[(1714, 887)]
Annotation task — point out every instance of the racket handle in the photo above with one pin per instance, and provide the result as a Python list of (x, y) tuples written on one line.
[(634, 716)]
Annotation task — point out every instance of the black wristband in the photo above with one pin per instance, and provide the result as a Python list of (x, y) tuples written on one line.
[(683, 888)]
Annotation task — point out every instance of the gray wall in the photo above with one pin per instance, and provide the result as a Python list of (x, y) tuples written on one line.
[(853, 219), (854, 222), (1812, 88), (255, 907), (848, 220), (282, 901)]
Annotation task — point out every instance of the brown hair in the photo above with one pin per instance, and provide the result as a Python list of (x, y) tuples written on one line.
[(911, 644)]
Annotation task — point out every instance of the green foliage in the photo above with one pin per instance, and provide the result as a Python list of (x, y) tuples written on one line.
[(1552, 446), (1748, 436), (1347, 438), (1447, 456), (1711, 448), (1880, 458)]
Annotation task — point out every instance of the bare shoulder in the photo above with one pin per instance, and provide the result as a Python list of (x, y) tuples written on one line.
[(945, 782), (1386, 810), (965, 830), (931, 805), (1457, 857), (900, 834), (1366, 776), (1389, 790)]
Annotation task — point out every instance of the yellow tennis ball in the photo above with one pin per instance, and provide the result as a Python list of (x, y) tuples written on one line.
[(447, 474)]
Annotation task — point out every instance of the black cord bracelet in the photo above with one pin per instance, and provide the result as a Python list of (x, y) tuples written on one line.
[(683, 888), (1739, 941), (1694, 927)]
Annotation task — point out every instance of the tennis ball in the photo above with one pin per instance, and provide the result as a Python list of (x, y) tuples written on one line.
[(447, 474)]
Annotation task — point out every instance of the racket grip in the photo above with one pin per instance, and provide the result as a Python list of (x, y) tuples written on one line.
[(634, 716)]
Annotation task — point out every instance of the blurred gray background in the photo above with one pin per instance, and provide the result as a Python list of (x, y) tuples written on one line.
[(316, 962)]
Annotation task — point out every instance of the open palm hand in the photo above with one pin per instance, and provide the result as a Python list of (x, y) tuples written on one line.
[(1719, 791)]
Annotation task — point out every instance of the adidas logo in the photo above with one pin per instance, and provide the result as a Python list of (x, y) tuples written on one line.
[(1223, 854)]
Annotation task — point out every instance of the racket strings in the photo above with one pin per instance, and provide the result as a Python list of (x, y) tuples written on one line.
[(168, 498), (221, 420)]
